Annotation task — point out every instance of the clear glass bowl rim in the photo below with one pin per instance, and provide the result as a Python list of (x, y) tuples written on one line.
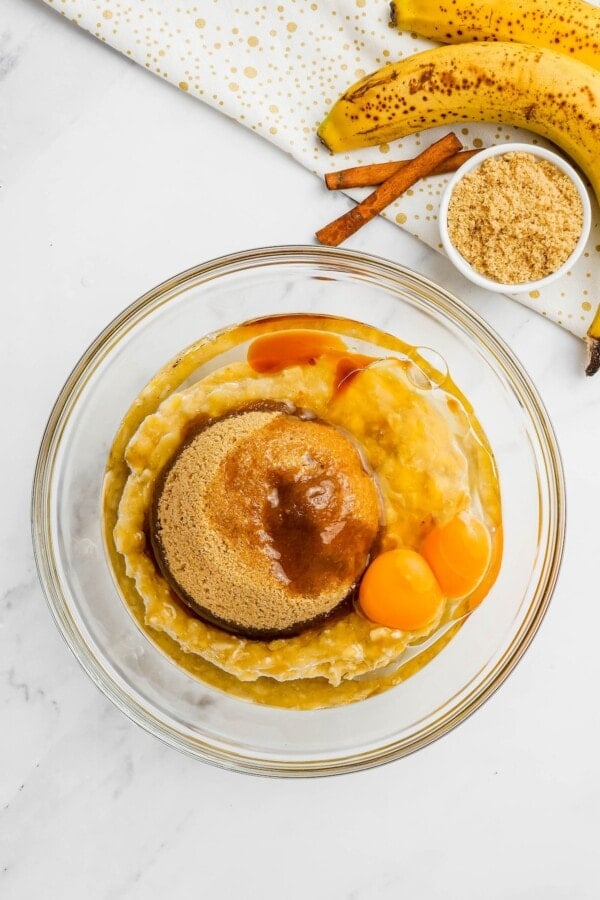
[(149, 302)]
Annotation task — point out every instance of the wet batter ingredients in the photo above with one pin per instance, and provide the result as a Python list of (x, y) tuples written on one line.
[(390, 421)]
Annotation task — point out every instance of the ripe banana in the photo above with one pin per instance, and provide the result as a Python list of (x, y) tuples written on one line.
[(514, 84), (570, 26)]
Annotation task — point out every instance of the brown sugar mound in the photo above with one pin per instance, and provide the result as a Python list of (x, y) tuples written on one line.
[(515, 218), (263, 522)]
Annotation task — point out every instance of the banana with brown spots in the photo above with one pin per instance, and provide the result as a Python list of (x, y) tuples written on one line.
[(570, 26), (497, 81)]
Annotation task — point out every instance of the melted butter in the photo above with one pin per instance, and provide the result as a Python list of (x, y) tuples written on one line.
[(275, 352), (347, 367)]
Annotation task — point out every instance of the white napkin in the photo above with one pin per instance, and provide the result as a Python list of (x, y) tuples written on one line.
[(278, 66)]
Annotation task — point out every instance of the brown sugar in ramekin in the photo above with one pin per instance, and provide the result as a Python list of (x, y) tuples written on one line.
[(515, 218)]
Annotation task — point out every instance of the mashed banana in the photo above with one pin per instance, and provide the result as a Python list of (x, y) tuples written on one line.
[(428, 467)]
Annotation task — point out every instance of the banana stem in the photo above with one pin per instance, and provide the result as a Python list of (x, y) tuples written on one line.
[(593, 344)]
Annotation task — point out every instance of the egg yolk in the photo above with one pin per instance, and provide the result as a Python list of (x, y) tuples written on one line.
[(459, 553), (399, 590)]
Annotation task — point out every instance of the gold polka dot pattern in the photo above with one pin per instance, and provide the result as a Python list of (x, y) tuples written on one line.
[(278, 67)]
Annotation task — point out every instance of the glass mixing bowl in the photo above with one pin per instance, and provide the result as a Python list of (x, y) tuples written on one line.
[(148, 686)]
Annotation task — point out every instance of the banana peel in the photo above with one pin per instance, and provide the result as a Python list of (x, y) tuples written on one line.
[(570, 27), (593, 345), (483, 81), (480, 81)]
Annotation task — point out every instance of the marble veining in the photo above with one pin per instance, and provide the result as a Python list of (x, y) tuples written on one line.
[(9, 54)]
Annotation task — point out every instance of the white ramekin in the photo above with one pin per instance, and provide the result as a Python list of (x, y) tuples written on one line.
[(459, 260)]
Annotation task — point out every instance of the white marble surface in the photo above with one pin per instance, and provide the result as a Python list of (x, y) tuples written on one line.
[(111, 181)]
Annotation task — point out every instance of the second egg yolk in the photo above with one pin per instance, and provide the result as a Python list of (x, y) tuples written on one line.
[(399, 590), (459, 552)]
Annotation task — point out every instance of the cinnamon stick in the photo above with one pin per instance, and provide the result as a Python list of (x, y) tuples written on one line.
[(422, 165), (376, 173)]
